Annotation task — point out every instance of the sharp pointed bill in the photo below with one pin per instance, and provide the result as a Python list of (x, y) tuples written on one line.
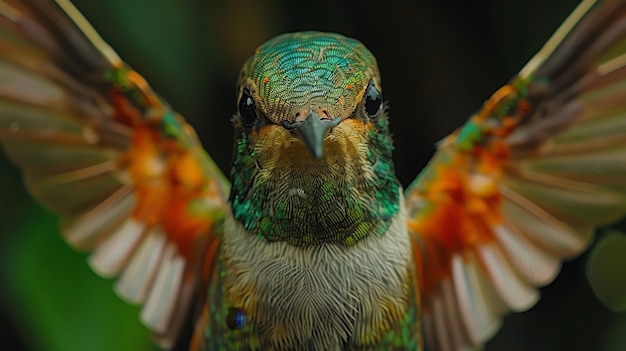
[(316, 246), (313, 131)]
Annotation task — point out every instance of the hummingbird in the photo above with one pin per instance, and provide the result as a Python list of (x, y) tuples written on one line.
[(310, 242)]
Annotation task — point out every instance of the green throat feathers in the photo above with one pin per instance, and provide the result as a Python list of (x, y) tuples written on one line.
[(319, 202)]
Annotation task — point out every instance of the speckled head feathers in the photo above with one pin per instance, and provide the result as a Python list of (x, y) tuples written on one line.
[(294, 72)]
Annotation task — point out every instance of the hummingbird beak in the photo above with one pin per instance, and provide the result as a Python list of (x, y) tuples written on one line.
[(313, 130)]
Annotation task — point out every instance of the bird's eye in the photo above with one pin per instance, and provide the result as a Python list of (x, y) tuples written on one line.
[(373, 101), (247, 108)]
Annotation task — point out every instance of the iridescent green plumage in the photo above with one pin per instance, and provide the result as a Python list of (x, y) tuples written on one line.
[(313, 201)]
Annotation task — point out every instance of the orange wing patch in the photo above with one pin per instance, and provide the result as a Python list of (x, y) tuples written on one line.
[(462, 204)]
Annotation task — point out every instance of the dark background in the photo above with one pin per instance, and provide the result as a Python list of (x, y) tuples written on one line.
[(439, 61)]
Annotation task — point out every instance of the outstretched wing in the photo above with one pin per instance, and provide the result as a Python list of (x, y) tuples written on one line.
[(97, 146), (522, 185)]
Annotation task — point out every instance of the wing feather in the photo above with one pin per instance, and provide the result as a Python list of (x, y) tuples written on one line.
[(161, 301), (126, 174), (534, 265), (136, 279), (116, 249), (524, 183), (478, 304), (86, 230), (517, 294)]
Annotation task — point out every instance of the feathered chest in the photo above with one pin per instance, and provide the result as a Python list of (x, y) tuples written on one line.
[(323, 297)]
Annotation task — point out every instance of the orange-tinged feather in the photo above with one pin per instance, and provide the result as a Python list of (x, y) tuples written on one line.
[(181, 225), (126, 113), (188, 171), (497, 99), (463, 205), (144, 159), (151, 202), (167, 177)]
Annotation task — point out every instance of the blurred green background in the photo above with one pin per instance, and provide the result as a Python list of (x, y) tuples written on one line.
[(439, 61)]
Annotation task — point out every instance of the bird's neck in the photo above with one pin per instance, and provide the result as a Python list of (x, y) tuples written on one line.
[(286, 195)]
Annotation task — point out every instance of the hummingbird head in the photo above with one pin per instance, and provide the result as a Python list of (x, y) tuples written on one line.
[(312, 159)]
